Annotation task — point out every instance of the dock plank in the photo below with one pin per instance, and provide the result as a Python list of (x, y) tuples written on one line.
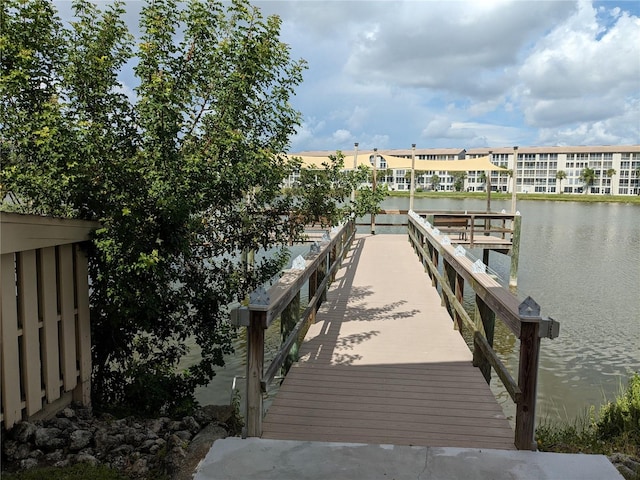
[(383, 363)]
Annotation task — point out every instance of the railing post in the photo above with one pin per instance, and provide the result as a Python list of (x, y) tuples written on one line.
[(322, 272), (488, 318), (515, 251), (434, 260), (332, 258), (459, 291), (472, 230), (288, 321), (313, 286), (450, 278), (527, 382), (255, 363)]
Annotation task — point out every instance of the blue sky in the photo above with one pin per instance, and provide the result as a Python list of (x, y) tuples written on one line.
[(458, 74)]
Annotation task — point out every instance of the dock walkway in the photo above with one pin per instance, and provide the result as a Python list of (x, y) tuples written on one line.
[(384, 365)]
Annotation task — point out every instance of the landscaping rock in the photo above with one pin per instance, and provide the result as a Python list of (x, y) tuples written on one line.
[(23, 432), (79, 439), (134, 446), (49, 438), (628, 466)]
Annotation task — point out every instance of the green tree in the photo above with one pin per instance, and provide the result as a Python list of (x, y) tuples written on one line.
[(416, 176), (320, 196), (561, 175), (183, 178), (483, 179), (588, 176), (383, 175), (458, 180), (435, 181)]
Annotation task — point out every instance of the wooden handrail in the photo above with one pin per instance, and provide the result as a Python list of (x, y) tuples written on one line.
[(319, 271), (523, 319)]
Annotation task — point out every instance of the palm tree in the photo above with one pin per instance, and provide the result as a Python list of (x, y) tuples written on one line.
[(384, 174), (458, 180), (561, 175), (610, 173), (483, 179), (435, 181), (588, 176)]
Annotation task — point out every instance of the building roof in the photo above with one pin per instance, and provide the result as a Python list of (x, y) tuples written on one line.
[(393, 162), (563, 149), (395, 152)]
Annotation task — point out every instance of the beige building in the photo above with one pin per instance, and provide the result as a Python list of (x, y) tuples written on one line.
[(616, 169)]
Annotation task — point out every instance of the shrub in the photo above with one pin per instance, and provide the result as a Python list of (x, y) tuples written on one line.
[(622, 415)]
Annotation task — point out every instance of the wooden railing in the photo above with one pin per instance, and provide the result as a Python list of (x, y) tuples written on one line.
[(283, 300), (492, 301), (475, 230), (472, 226), (44, 327)]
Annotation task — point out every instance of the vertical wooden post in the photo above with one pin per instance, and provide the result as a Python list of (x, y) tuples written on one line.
[(333, 256), (450, 278), (82, 393), (322, 272), (255, 363), (515, 251), (48, 298), (460, 296), (66, 295), (413, 175), (488, 318), (527, 382), (313, 286), (11, 392), (288, 320), (485, 256), (434, 259), (28, 308)]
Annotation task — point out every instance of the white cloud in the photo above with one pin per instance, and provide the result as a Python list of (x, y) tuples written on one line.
[(459, 74), (582, 73)]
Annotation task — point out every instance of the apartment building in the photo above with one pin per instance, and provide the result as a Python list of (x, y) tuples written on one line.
[(615, 169), (612, 170)]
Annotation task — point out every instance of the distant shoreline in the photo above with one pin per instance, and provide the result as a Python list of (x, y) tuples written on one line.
[(556, 197)]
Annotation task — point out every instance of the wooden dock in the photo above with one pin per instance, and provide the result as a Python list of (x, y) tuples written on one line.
[(384, 365)]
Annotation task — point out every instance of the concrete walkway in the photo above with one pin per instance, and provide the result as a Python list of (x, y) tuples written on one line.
[(259, 459)]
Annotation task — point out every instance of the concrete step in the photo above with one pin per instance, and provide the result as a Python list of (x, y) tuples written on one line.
[(254, 458)]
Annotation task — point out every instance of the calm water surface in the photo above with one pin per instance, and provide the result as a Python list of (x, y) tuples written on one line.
[(581, 263)]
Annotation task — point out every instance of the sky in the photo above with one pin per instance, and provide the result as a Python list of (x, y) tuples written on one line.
[(461, 74)]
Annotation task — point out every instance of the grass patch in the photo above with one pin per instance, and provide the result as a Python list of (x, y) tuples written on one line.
[(615, 429), (80, 471)]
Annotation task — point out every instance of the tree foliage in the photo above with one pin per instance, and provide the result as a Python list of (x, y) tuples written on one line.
[(320, 196), (458, 180), (183, 174), (588, 176)]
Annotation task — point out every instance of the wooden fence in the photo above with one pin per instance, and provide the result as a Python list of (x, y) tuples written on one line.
[(44, 322), (449, 268), (282, 300)]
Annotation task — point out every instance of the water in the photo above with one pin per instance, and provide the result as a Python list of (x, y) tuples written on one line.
[(581, 263)]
